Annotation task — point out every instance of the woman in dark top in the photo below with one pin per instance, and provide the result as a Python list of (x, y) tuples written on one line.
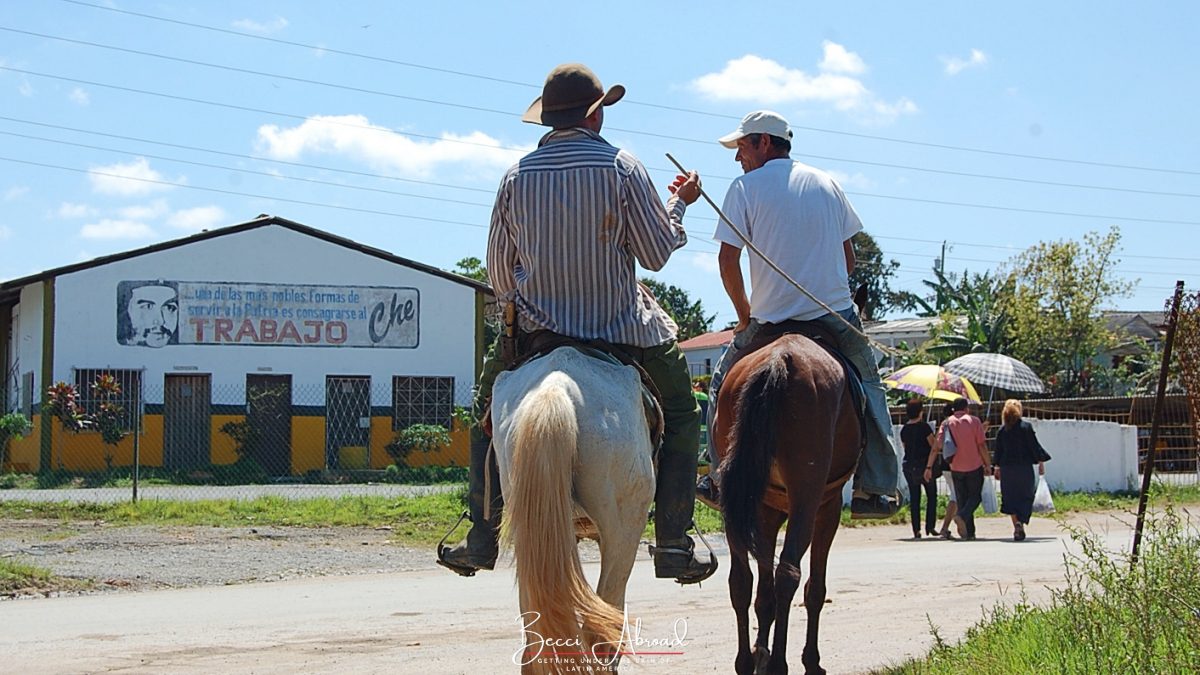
[(917, 437), (1017, 450)]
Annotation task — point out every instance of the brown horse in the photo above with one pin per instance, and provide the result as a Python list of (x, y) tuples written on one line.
[(789, 437)]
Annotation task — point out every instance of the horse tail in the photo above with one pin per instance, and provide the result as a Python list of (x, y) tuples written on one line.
[(539, 523), (747, 469)]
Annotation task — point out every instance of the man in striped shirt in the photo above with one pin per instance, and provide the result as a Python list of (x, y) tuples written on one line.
[(571, 219)]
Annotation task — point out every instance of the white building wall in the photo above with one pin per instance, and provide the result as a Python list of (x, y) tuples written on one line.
[(86, 316), (26, 350), (696, 357)]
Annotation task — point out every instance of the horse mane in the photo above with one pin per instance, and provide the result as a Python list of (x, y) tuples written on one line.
[(745, 472)]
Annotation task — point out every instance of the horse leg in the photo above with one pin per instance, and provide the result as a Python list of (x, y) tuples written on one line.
[(740, 581), (787, 573), (769, 521), (826, 525)]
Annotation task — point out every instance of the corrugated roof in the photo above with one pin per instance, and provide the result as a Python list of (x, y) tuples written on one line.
[(13, 286)]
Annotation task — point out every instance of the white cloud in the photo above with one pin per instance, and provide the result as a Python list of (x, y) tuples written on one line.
[(856, 180), (108, 228), (706, 261), (765, 82), (70, 210), (5, 232), (265, 27), (198, 218), (839, 60), (25, 89), (354, 137), (955, 65), (126, 179), (79, 97), (15, 192), (141, 212)]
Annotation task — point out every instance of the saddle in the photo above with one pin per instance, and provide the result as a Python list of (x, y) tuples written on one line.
[(776, 494), (532, 346), (818, 333)]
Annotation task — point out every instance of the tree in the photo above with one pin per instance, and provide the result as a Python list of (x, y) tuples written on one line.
[(1059, 288), (472, 268), (872, 271), (976, 317), (688, 315)]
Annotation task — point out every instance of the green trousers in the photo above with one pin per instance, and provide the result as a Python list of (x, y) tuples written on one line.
[(675, 497)]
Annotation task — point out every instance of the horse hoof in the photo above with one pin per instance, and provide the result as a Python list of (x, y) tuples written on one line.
[(762, 657)]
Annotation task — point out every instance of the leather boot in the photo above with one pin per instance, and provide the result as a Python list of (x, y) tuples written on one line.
[(481, 547), (674, 503)]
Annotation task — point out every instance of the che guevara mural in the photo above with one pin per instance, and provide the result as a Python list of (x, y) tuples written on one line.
[(161, 313)]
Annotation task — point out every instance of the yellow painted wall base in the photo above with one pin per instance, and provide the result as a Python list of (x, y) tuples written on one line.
[(85, 452)]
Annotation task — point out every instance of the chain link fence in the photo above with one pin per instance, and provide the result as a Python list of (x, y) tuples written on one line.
[(186, 438)]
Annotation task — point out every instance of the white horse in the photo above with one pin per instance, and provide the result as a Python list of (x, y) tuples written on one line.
[(572, 439)]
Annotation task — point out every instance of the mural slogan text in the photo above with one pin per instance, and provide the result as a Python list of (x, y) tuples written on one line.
[(218, 313)]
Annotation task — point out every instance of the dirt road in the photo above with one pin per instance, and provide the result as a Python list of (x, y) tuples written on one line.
[(882, 588)]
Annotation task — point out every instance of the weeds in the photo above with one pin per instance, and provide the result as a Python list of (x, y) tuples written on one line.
[(1111, 617)]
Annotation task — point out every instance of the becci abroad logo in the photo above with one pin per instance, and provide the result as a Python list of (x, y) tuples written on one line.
[(538, 648)]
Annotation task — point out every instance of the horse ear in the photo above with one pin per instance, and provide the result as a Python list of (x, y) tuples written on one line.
[(860, 299)]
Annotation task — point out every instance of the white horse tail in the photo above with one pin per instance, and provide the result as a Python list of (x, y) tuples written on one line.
[(539, 522)]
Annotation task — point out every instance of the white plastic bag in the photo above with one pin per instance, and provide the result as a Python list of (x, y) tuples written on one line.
[(991, 503), (1042, 501)]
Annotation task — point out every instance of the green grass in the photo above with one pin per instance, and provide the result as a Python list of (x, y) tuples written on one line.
[(18, 578), (1112, 616), (420, 521)]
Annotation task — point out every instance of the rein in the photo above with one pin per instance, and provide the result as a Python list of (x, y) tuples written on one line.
[(770, 263)]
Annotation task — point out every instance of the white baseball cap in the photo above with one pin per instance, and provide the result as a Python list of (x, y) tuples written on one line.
[(758, 122)]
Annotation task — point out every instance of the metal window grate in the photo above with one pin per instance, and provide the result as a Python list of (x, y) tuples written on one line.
[(130, 398), (422, 400)]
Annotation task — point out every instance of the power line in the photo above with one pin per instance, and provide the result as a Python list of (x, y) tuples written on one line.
[(953, 242), (681, 139), (319, 167), (185, 186), (991, 207), (247, 171), (705, 113), (259, 73)]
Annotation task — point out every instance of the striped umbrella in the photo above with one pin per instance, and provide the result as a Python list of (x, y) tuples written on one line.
[(996, 370)]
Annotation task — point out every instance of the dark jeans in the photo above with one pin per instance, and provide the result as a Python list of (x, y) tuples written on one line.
[(916, 482), (968, 488)]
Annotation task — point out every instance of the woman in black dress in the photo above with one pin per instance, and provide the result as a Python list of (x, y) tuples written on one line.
[(1017, 450), (917, 437)]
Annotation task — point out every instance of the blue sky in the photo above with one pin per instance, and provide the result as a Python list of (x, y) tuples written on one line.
[(991, 127)]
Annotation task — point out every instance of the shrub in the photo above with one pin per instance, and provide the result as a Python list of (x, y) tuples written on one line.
[(13, 426), (416, 438)]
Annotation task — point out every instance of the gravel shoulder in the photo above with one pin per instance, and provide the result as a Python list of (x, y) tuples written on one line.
[(134, 558)]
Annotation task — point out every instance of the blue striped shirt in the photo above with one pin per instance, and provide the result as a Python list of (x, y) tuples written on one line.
[(570, 219)]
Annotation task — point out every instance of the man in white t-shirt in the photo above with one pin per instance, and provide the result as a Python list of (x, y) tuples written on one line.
[(801, 220)]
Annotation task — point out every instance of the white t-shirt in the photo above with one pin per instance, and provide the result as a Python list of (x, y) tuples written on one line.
[(799, 218)]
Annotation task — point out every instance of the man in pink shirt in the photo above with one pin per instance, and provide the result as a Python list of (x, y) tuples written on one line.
[(969, 464)]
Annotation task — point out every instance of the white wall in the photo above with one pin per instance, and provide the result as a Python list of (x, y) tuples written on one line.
[(86, 317), (27, 339), (695, 358), (1086, 456), (1089, 456)]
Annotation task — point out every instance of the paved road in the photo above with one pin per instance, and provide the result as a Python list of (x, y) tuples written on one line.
[(884, 591)]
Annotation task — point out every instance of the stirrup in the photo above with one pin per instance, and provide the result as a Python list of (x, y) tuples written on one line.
[(707, 570), (442, 549)]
